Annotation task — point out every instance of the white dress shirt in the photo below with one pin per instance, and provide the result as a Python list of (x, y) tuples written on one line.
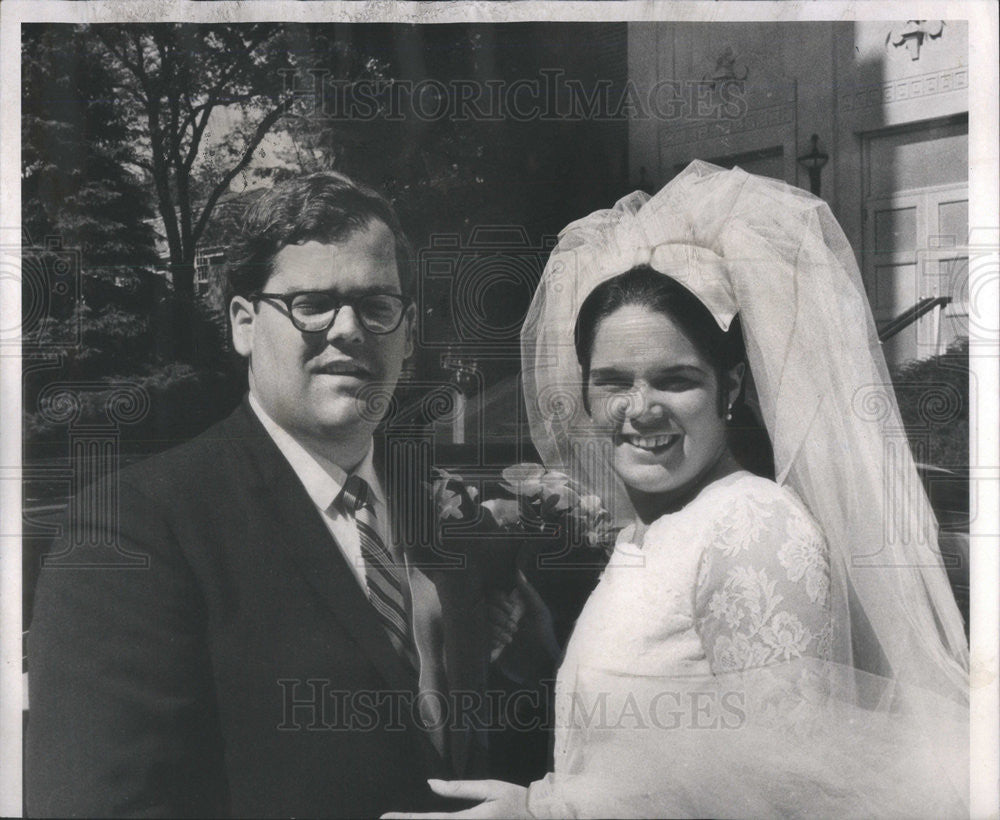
[(323, 480)]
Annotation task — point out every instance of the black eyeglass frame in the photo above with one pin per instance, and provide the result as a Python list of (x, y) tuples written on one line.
[(339, 301)]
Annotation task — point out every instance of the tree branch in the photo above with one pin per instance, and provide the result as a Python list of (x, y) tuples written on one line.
[(261, 131), (129, 65), (159, 169), (197, 131)]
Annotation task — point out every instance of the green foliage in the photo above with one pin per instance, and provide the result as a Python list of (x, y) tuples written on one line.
[(120, 330), (199, 100), (933, 396), (95, 308), (79, 182)]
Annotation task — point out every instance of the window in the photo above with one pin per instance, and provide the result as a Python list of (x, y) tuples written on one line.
[(205, 263), (916, 224)]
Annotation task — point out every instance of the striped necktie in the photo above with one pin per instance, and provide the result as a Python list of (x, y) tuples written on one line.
[(382, 574)]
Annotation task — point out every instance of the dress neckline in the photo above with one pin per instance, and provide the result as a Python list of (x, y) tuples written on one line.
[(626, 536)]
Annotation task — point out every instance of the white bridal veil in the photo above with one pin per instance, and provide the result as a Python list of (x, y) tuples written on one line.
[(775, 255)]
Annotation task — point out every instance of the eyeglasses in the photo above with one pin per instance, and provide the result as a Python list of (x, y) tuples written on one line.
[(314, 311)]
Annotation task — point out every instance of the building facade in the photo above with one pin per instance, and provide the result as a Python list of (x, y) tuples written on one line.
[(888, 105)]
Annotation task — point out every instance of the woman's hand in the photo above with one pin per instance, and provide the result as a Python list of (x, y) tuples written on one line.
[(500, 799)]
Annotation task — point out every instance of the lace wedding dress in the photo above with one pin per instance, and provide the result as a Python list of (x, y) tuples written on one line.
[(698, 682), (787, 648)]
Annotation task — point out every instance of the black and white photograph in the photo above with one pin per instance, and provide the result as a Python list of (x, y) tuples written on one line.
[(513, 410)]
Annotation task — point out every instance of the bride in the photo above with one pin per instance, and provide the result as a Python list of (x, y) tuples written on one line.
[(755, 647)]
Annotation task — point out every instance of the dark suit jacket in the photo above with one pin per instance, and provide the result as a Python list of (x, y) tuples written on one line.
[(240, 671)]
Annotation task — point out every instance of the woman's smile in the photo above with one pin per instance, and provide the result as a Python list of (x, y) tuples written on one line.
[(657, 444)]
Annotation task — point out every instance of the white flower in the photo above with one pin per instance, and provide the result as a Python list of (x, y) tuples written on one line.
[(756, 590), (590, 514), (725, 606), (449, 504), (730, 654), (556, 478), (523, 479), (445, 476), (442, 495), (591, 506), (786, 636), (803, 555), (602, 536), (795, 557), (741, 526), (726, 655), (506, 512), (559, 497), (757, 654)]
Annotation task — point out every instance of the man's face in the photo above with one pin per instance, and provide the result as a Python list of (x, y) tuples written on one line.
[(309, 382)]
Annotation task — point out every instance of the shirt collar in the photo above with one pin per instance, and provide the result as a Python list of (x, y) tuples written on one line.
[(322, 479)]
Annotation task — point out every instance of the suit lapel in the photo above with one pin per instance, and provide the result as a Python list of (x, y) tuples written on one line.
[(296, 526), (291, 522)]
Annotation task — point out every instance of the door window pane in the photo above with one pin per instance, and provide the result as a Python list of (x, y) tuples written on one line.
[(953, 223), (905, 160), (953, 281), (895, 289), (895, 230)]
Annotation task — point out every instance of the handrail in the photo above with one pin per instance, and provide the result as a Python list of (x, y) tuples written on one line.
[(910, 315)]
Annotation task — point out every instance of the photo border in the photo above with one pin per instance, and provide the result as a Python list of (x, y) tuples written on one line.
[(984, 208)]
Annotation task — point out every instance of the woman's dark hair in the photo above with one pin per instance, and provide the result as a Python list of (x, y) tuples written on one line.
[(648, 288), (325, 207)]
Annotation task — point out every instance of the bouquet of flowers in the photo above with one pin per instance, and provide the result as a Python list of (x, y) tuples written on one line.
[(528, 500), (534, 520)]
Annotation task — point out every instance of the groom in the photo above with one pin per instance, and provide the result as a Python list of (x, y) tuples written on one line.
[(278, 655)]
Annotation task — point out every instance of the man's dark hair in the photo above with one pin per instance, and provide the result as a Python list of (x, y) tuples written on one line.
[(326, 207)]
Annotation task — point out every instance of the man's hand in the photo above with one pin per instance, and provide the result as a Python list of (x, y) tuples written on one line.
[(522, 613), (500, 799), (506, 609)]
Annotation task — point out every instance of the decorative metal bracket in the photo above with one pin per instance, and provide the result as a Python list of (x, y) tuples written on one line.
[(912, 35), (813, 162), (725, 68)]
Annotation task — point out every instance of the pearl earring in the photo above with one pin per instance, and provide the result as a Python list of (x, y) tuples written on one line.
[(729, 413)]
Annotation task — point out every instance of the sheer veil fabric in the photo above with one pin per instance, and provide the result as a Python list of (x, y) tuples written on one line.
[(776, 256)]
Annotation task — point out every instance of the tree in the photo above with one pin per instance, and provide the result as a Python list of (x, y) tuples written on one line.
[(78, 164), (95, 308), (84, 207), (187, 89)]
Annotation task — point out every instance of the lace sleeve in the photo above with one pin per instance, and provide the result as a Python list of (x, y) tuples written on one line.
[(762, 595)]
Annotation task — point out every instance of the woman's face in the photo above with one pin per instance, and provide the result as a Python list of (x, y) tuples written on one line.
[(657, 397)]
